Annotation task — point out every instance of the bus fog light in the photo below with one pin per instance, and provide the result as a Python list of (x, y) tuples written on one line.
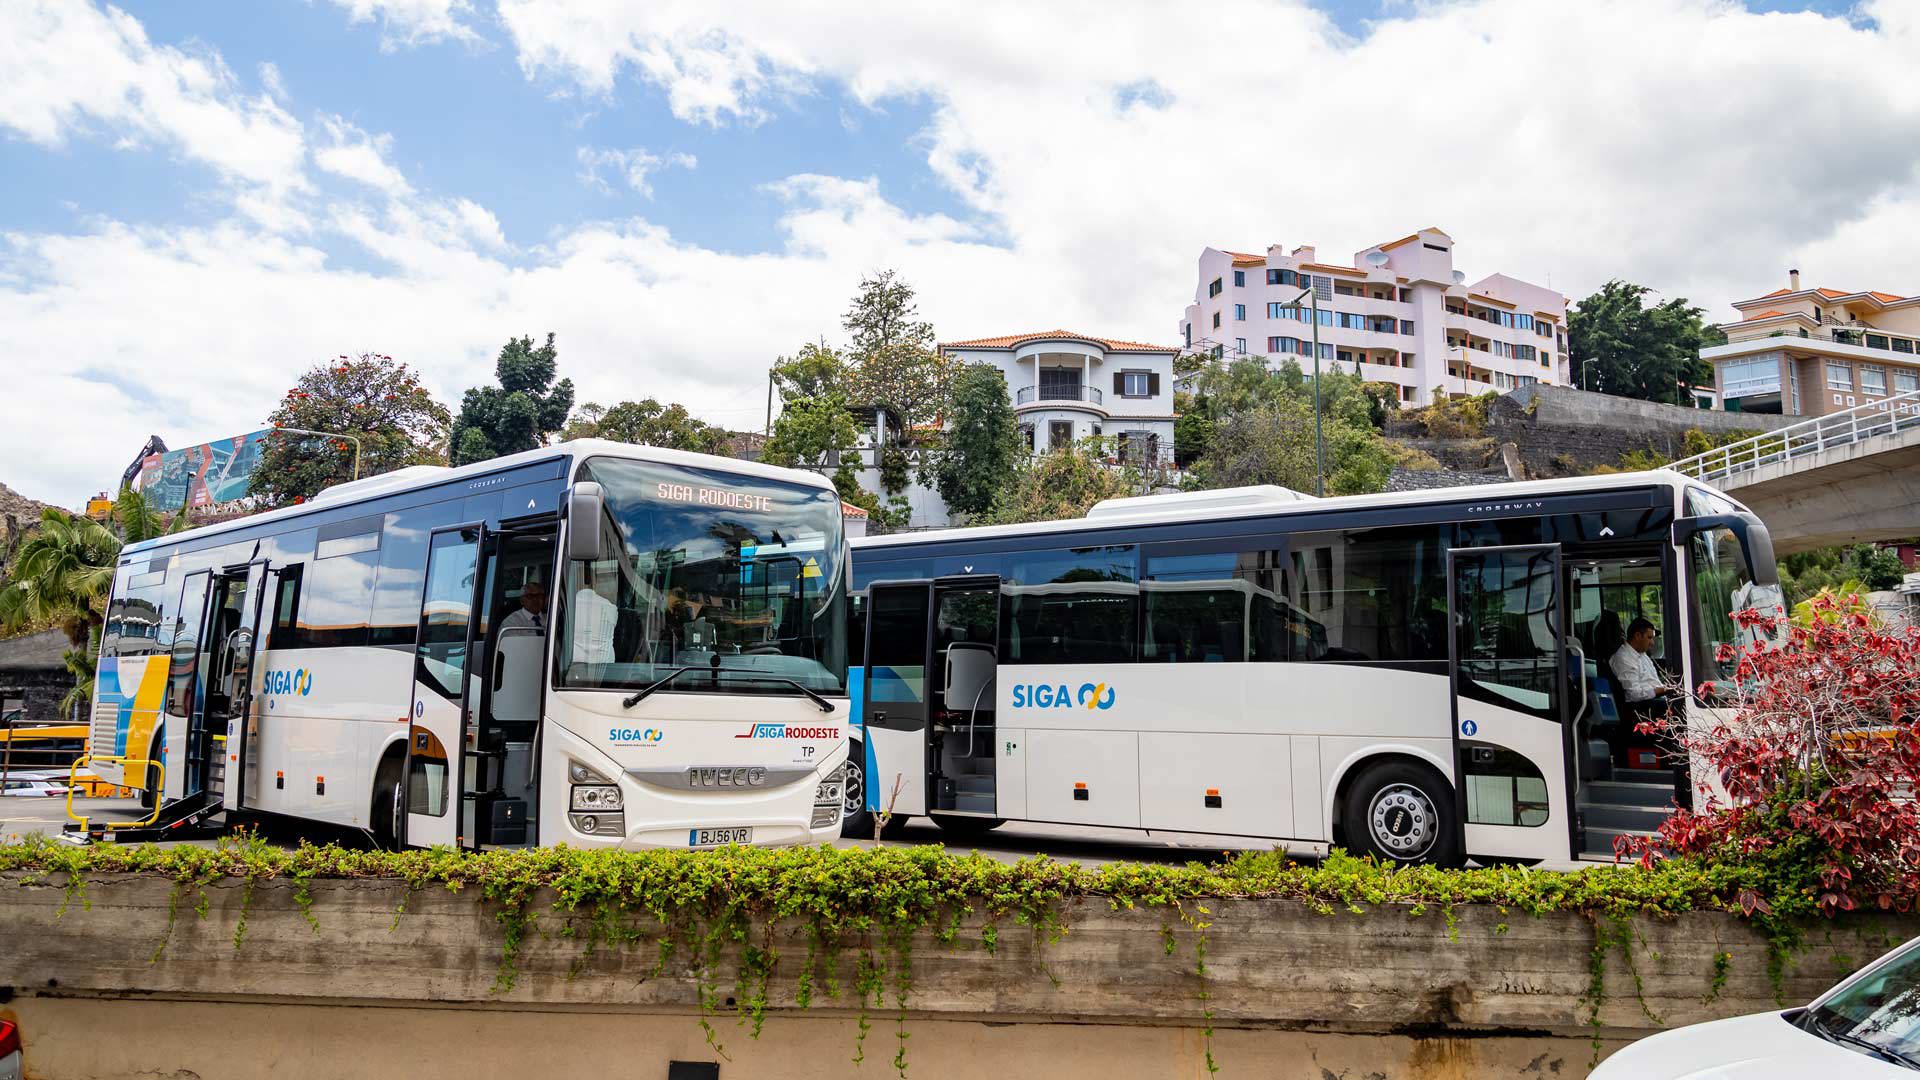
[(826, 817), (598, 824), (596, 797)]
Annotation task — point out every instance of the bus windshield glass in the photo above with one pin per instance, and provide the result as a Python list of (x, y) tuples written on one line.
[(722, 581), (1723, 582)]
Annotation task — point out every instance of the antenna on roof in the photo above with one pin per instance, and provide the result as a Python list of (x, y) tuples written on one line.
[(1376, 258)]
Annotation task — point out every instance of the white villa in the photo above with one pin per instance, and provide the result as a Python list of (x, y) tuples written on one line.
[(1069, 386)]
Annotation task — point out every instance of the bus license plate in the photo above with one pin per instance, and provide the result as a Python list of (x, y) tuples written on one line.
[(719, 837)]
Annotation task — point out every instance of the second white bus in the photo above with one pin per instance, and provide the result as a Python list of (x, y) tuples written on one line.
[(1420, 676)]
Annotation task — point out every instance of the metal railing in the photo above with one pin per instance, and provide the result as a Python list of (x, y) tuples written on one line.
[(147, 766), (1027, 395), (1883, 417)]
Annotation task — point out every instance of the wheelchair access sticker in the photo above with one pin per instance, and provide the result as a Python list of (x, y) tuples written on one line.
[(1468, 727)]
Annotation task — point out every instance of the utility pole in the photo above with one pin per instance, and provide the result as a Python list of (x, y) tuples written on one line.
[(769, 432), (1319, 446)]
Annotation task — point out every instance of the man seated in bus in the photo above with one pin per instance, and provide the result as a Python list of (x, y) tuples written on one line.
[(1645, 695), (532, 612), (594, 619)]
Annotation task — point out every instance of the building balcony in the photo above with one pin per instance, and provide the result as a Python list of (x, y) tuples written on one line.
[(1076, 396)]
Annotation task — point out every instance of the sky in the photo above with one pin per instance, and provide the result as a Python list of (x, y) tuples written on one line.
[(199, 199)]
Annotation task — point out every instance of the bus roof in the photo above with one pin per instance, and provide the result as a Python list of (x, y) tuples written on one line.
[(1264, 501), (418, 477)]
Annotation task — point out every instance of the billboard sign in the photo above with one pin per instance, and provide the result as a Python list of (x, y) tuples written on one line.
[(200, 476)]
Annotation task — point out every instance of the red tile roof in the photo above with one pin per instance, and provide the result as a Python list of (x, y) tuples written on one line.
[(848, 510), (1241, 258), (1830, 293), (1012, 340), (1888, 297), (1767, 314)]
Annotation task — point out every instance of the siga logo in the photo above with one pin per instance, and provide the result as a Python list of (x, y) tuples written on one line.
[(298, 681), (1057, 696), (627, 736)]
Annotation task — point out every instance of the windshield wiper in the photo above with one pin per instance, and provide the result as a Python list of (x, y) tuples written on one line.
[(641, 694), (1871, 1048)]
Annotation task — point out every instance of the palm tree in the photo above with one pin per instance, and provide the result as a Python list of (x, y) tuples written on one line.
[(64, 571)]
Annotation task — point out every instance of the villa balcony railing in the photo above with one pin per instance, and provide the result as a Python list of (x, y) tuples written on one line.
[(1030, 395)]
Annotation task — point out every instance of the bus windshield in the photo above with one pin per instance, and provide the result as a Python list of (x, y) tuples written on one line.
[(1721, 582), (731, 581)]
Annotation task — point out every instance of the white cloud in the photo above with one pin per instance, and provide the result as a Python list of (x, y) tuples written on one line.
[(1095, 148), (634, 166), (409, 23), (358, 156), (69, 69)]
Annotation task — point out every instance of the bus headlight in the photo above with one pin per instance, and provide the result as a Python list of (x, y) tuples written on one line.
[(596, 798), (580, 774), (828, 791)]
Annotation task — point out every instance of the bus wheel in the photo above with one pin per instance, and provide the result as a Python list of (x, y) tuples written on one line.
[(150, 786), (1399, 812), (855, 820), (389, 802), (966, 829)]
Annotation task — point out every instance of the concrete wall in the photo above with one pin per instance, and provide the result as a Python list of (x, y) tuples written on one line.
[(1855, 493), (1560, 431), (1385, 994)]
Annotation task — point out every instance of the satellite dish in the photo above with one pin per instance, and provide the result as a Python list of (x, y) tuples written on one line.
[(1459, 277), (1376, 258)]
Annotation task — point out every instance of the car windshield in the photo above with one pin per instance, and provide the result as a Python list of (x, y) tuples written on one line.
[(735, 577), (1880, 1012)]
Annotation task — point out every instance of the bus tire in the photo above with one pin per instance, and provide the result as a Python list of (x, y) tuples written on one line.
[(856, 821), (966, 829), (1400, 812), (383, 819)]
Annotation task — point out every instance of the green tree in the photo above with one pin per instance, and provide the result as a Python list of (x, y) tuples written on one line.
[(1273, 443), (1063, 483), (810, 431), (1650, 353), (814, 370), (647, 423), (371, 397), (983, 447), (519, 413), (891, 359)]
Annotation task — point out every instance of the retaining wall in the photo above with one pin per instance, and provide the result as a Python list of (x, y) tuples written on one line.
[(107, 989)]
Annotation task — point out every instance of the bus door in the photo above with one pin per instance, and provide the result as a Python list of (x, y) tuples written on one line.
[(962, 661), (1510, 735), (899, 627), (445, 688), (247, 588), (184, 741)]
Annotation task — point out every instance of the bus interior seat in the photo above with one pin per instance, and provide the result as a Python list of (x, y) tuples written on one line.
[(970, 669), (516, 677)]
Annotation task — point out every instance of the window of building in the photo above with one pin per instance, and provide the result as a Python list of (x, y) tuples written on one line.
[(1343, 356), (1877, 341), (1341, 288), (1273, 310), (1523, 322), (1239, 313), (1406, 296), (1406, 326), (1839, 375), (1904, 345), (1240, 345), (1213, 289), (1819, 315), (1216, 320), (1406, 393), (1273, 277), (1078, 606), (1432, 247), (1283, 344), (1349, 321), (1906, 382), (1326, 351), (1873, 379), (1187, 329), (1273, 345), (1136, 383), (1239, 278), (1543, 329), (1406, 360)]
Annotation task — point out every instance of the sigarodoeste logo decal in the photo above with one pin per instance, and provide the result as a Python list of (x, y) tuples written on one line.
[(1058, 696), (784, 731)]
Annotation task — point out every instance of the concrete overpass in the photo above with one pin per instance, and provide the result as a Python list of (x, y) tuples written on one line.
[(1848, 477)]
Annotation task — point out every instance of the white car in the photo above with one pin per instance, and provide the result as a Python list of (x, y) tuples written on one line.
[(35, 788), (1866, 1027)]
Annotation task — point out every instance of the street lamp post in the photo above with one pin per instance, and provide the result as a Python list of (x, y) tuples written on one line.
[(1319, 444), (1583, 371)]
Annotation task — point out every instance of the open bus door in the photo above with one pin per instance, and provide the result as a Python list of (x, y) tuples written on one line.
[(445, 688), (1512, 761), (235, 669), (894, 696)]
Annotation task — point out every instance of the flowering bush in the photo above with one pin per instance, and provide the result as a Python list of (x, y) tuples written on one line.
[(1818, 765)]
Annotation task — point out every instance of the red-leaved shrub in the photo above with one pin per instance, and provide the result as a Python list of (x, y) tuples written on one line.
[(1818, 762)]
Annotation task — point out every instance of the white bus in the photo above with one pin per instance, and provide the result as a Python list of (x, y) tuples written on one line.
[(1421, 676), (592, 643)]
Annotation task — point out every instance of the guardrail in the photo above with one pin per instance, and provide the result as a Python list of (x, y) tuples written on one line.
[(1882, 417), (1028, 395)]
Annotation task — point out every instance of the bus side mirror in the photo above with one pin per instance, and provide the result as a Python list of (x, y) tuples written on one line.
[(1754, 539), (585, 503)]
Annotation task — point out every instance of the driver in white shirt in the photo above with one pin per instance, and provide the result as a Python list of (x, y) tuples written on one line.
[(1645, 694)]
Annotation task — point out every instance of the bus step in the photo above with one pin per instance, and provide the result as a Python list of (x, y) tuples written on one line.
[(187, 819), (973, 784), (1646, 776), (1627, 793), (1600, 840), (1623, 816)]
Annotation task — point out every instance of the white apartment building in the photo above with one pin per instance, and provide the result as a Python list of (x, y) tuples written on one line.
[(1068, 386), (1400, 314)]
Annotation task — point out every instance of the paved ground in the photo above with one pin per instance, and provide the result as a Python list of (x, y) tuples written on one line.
[(19, 816)]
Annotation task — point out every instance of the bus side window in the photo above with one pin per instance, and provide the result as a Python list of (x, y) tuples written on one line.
[(286, 608)]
